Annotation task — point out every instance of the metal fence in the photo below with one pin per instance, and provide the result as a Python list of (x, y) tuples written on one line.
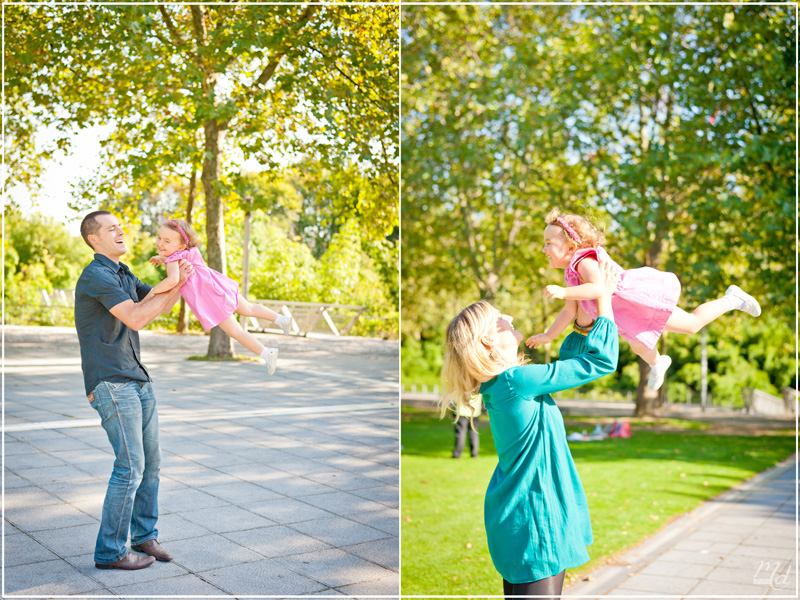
[(56, 308)]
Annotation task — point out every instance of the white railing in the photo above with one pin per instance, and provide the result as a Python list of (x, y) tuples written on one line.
[(306, 316), (339, 319)]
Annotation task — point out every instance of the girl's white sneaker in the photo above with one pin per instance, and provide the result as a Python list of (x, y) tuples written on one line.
[(285, 323), (743, 301), (658, 371), (270, 356)]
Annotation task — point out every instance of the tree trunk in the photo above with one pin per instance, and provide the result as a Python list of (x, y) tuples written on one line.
[(703, 368), (662, 391), (219, 344), (646, 399), (248, 215), (183, 314), (489, 286)]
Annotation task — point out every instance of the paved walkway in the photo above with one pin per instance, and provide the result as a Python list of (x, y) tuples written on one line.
[(741, 544), (283, 485)]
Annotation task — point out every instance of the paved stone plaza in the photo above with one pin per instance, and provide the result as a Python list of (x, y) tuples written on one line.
[(282, 485)]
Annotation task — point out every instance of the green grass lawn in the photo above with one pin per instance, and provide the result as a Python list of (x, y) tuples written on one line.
[(634, 487)]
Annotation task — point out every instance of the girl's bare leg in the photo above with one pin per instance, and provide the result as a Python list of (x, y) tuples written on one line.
[(646, 354), (259, 311), (248, 340), (682, 322)]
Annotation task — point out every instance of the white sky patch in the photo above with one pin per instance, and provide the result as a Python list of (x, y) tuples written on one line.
[(64, 171)]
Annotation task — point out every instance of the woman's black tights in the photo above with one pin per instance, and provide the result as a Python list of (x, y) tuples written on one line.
[(547, 589)]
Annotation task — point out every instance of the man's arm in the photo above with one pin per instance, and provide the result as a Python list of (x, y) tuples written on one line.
[(138, 314)]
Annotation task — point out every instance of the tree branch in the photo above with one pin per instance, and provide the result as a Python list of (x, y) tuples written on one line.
[(389, 172), (470, 235), (271, 67), (384, 102), (753, 108), (516, 227), (498, 225), (173, 31), (160, 36), (199, 25)]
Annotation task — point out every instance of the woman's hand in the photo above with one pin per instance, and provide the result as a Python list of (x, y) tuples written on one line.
[(538, 340), (610, 278), (556, 292), (157, 260)]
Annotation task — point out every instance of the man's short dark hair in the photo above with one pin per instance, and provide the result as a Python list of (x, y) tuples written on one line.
[(89, 225)]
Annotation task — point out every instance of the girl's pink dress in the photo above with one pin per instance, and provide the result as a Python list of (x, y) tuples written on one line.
[(644, 300), (212, 296)]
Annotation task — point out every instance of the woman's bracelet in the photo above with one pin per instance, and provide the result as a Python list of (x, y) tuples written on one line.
[(582, 329)]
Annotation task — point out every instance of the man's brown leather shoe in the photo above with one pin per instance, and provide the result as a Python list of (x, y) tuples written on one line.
[(154, 549), (131, 562)]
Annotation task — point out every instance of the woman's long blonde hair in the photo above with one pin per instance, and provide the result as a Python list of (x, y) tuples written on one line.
[(467, 362)]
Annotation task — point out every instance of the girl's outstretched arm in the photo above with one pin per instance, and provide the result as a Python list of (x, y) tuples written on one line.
[(564, 318), (592, 289), (598, 356), (170, 281)]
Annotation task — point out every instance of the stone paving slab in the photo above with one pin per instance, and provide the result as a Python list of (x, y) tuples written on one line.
[(287, 510), (283, 485), (335, 568), (272, 542), (23, 550), (183, 585), (265, 577), (742, 543), (381, 552), (51, 577)]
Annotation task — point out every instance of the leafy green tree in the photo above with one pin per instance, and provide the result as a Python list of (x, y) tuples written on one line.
[(191, 87), (281, 267), (695, 148), (38, 254), (670, 126), (483, 161)]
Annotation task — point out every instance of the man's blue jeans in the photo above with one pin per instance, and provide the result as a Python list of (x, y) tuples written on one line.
[(130, 417)]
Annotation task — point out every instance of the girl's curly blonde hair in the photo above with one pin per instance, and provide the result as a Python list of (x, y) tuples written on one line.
[(191, 240), (590, 236)]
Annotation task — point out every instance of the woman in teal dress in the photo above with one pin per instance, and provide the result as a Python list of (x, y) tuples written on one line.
[(535, 512)]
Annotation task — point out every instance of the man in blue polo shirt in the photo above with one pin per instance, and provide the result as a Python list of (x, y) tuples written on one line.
[(111, 306)]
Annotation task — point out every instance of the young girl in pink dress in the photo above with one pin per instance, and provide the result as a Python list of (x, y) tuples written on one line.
[(212, 296), (645, 303)]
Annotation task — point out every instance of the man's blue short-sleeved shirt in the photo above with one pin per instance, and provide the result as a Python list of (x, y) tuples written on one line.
[(109, 348)]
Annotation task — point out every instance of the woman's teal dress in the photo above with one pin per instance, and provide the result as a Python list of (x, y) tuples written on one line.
[(537, 520)]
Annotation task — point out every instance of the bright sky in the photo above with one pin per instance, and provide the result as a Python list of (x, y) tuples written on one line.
[(67, 170), (59, 176)]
